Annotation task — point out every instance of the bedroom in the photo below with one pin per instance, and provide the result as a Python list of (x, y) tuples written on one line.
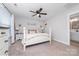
[(25, 18)]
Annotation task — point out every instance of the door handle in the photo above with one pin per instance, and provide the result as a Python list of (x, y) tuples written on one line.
[(6, 41), (6, 51)]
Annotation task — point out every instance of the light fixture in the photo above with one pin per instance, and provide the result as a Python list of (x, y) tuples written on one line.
[(37, 14), (15, 4), (75, 19)]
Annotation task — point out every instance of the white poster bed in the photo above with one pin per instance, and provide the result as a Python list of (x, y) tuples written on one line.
[(35, 38)]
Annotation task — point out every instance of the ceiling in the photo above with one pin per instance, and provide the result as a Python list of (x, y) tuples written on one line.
[(22, 9)]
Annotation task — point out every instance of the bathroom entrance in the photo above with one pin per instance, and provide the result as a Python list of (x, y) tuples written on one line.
[(74, 27)]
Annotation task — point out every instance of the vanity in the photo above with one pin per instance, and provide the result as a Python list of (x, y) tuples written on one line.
[(74, 34)]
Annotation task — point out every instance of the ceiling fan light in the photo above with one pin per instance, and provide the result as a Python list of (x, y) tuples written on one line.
[(37, 14)]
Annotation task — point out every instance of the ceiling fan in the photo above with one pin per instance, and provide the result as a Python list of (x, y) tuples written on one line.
[(38, 12)]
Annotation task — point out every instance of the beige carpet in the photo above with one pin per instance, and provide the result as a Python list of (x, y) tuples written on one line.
[(45, 49)]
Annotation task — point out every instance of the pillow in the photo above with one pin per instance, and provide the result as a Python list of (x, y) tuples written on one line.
[(31, 31)]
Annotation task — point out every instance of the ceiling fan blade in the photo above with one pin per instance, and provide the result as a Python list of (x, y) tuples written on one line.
[(43, 13), (32, 11), (40, 9), (34, 14)]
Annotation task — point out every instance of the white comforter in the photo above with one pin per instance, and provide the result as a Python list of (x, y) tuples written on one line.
[(30, 36), (36, 38)]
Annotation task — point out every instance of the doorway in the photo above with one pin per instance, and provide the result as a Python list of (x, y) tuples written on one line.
[(74, 27)]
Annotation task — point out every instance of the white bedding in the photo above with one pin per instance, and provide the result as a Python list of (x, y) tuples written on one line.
[(30, 36), (36, 38)]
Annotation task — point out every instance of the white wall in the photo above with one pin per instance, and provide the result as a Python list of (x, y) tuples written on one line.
[(4, 16), (60, 31), (24, 22), (60, 25)]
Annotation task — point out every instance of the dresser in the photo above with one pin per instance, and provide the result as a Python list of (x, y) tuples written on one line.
[(4, 37)]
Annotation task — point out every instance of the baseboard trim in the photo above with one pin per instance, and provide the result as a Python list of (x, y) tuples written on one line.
[(62, 42), (74, 41)]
